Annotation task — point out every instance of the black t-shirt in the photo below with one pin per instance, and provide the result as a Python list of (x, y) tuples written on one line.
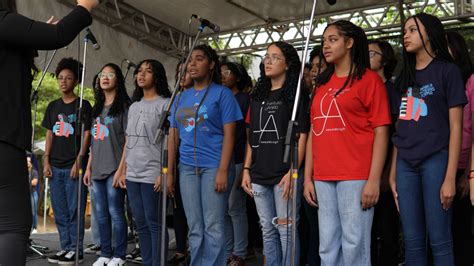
[(240, 132), (268, 121), (61, 119)]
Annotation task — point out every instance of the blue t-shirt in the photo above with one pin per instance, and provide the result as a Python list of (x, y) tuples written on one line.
[(218, 108), (423, 121)]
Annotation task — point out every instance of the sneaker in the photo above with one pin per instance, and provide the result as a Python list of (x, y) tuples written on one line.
[(116, 262), (70, 259), (92, 249), (55, 258), (102, 261), (132, 255), (138, 259)]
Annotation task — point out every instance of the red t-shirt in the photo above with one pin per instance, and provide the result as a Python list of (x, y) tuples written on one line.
[(343, 127)]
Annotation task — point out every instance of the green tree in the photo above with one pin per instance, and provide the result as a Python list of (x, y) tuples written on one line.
[(48, 92)]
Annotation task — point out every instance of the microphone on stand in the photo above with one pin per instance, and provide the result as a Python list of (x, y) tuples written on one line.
[(207, 23), (130, 63), (90, 36)]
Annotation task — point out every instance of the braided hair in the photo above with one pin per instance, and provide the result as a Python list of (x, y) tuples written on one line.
[(264, 84), (437, 38), (359, 53)]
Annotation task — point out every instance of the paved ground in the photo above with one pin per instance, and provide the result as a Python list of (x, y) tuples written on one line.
[(48, 236)]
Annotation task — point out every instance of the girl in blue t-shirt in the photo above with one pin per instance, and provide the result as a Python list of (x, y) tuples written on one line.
[(427, 141), (203, 122)]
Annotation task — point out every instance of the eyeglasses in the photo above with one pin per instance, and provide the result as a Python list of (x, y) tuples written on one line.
[(226, 73), (271, 59), (109, 75), (373, 53)]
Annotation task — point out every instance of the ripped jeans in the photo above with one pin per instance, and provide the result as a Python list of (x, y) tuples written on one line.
[(273, 210)]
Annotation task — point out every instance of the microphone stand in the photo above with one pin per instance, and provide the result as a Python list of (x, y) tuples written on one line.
[(34, 99), (80, 123), (163, 130), (291, 140)]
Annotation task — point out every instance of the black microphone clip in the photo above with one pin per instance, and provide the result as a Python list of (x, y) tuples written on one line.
[(90, 36), (206, 23)]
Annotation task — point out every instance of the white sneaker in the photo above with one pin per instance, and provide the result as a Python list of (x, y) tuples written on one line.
[(101, 261), (116, 262)]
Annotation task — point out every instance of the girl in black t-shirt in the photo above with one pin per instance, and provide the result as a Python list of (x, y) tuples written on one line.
[(427, 141), (265, 177), (236, 78)]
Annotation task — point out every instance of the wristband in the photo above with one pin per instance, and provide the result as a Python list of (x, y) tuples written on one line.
[(247, 168)]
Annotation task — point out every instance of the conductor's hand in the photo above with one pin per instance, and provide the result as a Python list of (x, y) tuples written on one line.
[(88, 4)]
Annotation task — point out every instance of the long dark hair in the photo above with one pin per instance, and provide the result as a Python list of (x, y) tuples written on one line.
[(437, 38), (121, 101), (460, 52), (9, 5), (389, 61), (359, 53), (243, 79), (159, 77), (264, 83), (212, 56)]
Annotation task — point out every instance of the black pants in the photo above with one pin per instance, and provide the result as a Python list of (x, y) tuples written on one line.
[(463, 240), (15, 205), (385, 233), (179, 219)]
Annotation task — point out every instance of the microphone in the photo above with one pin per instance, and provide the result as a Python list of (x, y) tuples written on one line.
[(90, 36), (207, 23), (130, 63)]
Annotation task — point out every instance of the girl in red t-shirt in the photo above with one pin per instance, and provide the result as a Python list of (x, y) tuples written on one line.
[(347, 146)]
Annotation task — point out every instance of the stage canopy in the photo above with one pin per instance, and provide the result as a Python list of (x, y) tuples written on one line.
[(161, 29)]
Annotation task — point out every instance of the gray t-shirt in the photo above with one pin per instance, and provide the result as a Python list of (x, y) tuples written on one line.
[(108, 139), (143, 156)]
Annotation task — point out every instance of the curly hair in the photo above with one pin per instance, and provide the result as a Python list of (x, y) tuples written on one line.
[(389, 61), (437, 38), (121, 101), (264, 83), (243, 79), (359, 53), (159, 78), (70, 64), (212, 56)]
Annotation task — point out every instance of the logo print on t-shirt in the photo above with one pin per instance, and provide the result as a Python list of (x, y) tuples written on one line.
[(413, 107), (62, 128), (332, 112), (100, 131), (268, 125), (185, 116)]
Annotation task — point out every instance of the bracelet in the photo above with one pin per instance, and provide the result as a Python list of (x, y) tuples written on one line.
[(247, 168), (472, 171)]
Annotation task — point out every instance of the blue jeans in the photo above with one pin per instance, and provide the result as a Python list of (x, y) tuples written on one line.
[(109, 203), (146, 207), (34, 208), (271, 207), (64, 203), (236, 218), (421, 211), (344, 228), (205, 210), (94, 221)]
